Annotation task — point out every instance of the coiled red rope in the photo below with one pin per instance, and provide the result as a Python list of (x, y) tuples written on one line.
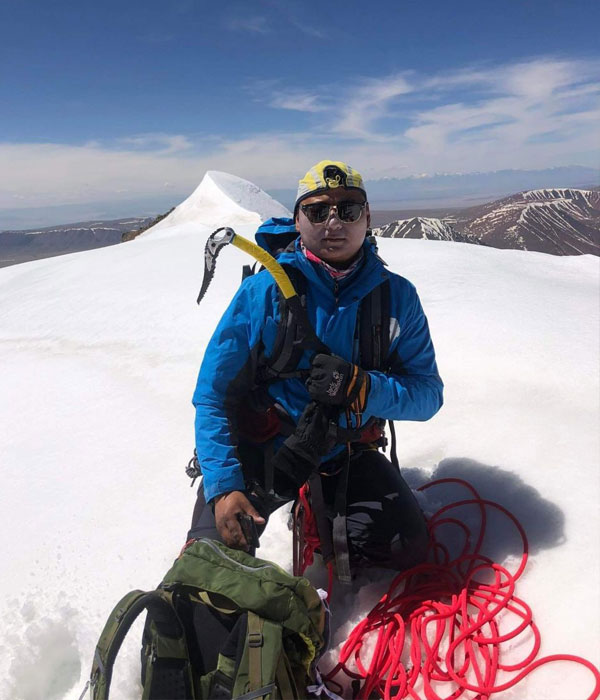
[(441, 630)]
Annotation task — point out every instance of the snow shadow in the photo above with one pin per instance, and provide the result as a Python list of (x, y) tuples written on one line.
[(542, 520)]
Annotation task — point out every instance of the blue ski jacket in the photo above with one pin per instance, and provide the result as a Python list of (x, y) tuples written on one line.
[(411, 390)]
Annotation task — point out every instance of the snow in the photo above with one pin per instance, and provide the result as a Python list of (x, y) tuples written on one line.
[(100, 352), (430, 228), (435, 228), (221, 199), (89, 227), (560, 193)]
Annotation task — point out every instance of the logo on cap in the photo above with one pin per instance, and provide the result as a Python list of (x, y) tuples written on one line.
[(334, 176)]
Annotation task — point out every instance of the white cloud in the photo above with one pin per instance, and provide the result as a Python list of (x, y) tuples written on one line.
[(540, 79), (308, 29), (159, 143), (299, 101), (255, 24), (367, 103), (295, 14), (523, 103), (532, 114)]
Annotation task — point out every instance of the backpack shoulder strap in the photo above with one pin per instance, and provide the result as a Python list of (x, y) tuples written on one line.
[(265, 666), (160, 608), (374, 328), (287, 349), (288, 346)]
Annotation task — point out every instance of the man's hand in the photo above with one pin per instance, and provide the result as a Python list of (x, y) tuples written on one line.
[(337, 382), (227, 507)]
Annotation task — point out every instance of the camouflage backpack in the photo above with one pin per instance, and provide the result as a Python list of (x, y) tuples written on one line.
[(222, 624)]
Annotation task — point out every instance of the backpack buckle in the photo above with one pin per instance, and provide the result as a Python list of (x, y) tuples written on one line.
[(255, 639)]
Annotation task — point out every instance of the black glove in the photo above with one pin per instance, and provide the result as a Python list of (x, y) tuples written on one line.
[(312, 439), (338, 382), (301, 452)]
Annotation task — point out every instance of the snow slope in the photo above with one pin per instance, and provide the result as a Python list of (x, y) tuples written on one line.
[(220, 199), (100, 352)]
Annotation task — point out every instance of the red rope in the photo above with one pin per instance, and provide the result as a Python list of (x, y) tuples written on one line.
[(309, 541), (442, 627)]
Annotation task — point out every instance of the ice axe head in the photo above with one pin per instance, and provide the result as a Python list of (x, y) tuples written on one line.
[(216, 241)]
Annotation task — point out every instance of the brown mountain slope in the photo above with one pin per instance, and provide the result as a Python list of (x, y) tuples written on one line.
[(560, 221)]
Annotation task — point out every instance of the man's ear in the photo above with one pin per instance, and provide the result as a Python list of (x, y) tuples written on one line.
[(368, 215)]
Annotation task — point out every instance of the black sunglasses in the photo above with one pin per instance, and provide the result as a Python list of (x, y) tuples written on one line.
[(318, 213)]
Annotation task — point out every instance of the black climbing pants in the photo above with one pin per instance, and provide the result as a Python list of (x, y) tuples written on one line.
[(384, 523)]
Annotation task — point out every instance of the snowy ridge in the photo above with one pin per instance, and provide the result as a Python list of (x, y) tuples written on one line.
[(422, 227), (590, 197), (100, 352), (222, 199), (64, 229)]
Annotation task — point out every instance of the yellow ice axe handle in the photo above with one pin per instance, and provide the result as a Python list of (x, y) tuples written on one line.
[(264, 258)]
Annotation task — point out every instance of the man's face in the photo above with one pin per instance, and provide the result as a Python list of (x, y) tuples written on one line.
[(335, 241)]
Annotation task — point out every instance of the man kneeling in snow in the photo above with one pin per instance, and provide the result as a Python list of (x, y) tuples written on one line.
[(260, 435)]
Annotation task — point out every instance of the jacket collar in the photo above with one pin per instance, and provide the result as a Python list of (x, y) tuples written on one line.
[(353, 288)]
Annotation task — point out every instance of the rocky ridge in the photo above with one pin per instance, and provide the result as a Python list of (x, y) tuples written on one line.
[(22, 246), (559, 221), (423, 227)]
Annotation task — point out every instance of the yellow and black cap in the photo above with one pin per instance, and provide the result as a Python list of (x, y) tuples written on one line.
[(328, 175)]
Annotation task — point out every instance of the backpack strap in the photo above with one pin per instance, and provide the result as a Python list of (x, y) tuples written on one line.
[(374, 327), (339, 530), (285, 678), (160, 608), (321, 519), (264, 646), (294, 334), (255, 645), (288, 349), (290, 342)]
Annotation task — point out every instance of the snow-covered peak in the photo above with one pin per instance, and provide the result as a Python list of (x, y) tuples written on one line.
[(548, 194), (434, 228), (423, 227), (222, 199)]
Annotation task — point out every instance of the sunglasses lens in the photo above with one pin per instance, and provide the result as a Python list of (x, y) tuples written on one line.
[(349, 211), (316, 213)]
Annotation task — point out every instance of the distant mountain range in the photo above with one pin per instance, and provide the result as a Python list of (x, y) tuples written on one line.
[(463, 189), (21, 246), (416, 192), (561, 221)]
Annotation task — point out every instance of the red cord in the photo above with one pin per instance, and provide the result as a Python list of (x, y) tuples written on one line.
[(310, 538), (443, 626)]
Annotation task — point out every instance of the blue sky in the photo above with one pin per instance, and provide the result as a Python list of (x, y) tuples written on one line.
[(113, 100)]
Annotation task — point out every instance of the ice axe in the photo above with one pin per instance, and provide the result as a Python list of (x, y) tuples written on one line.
[(223, 236)]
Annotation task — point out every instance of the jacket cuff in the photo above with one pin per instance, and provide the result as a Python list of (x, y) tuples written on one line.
[(223, 484)]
